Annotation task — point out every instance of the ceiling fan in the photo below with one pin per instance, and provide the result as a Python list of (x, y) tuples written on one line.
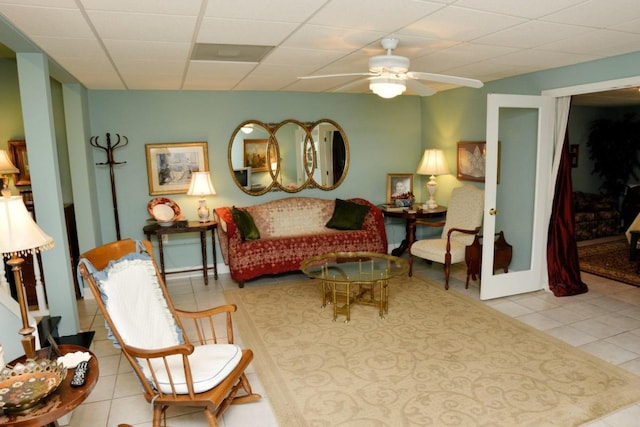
[(389, 75)]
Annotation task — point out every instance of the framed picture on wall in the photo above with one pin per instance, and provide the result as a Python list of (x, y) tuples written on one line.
[(18, 154), (472, 161), (399, 185), (255, 154), (170, 165)]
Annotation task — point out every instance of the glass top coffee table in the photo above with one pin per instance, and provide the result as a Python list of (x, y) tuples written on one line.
[(354, 278)]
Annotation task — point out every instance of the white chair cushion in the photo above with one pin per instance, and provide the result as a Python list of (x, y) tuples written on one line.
[(435, 249), (137, 306), (210, 365)]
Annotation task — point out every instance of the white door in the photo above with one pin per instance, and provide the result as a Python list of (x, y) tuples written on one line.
[(518, 169)]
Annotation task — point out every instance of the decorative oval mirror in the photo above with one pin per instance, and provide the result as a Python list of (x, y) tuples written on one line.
[(288, 156), (251, 152), (331, 154), (291, 136)]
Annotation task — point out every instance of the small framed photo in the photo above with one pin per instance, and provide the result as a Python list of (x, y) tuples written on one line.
[(256, 156), (18, 154), (574, 150), (472, 160), (170, 165), (399, 186)]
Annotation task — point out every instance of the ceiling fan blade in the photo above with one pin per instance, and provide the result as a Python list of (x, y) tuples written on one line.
[(442, 78), (335, 75), (419, 88), (350, 85)]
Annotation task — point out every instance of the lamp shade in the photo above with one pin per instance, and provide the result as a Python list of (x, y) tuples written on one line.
[(201, 185), (433, 163), (5, 164), (19, 233), (387, 88)]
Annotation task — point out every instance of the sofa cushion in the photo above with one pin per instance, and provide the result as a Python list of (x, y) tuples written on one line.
[(347, 215), (247, 226)]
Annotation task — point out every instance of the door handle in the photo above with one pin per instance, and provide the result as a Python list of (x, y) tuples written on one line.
[(493, 211)]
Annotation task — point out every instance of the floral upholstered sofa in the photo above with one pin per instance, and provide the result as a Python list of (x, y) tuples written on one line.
[(287, 231)]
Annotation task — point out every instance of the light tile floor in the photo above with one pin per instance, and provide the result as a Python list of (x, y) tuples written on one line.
[(604, 322)]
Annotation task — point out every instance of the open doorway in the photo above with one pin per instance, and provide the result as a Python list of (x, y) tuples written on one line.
[(601, 219)]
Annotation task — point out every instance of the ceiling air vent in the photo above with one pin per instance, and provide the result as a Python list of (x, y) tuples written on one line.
[(229, 52)]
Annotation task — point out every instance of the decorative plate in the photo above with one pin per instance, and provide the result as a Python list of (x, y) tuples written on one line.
[(163, 209), (23, 386)]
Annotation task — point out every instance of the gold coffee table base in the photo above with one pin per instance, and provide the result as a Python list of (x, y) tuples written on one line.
[(349, 278)]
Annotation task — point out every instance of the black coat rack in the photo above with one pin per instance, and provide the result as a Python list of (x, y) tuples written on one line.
[(109, 149)]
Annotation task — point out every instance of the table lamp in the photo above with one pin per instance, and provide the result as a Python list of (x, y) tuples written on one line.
[(433, 163), (6, 168), (20, 236), (201, 186)]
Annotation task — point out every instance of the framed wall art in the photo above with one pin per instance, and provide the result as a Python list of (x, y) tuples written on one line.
[(255, 154), (472, 161), (399, 184), (18, 154), (574, 150), (170, 165)]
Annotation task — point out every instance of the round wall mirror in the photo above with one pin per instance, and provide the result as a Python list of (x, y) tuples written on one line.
[(288, 156)]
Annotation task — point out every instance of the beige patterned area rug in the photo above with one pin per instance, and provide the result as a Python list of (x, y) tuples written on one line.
[(437, 359)]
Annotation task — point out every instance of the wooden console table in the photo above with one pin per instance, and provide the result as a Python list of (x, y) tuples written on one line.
[(410, 224), (191, 227)]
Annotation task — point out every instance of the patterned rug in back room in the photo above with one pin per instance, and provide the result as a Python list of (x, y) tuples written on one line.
[(610, 260)]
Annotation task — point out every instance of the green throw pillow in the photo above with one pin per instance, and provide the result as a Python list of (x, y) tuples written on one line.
[(247, 226), (347, 215)]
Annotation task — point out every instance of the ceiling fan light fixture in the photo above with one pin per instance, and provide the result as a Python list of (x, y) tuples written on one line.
[(387, 88)]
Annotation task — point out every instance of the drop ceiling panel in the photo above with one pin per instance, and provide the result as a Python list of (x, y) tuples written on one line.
[(131, 50), (526, 9), (233, 31), (461, 54), (373, 15), (456, 23), (215, 75), (531, 34), (182, 7), (273, 10), (598, 13), (123, 26), (332, 38), (598, 42), (309, 58), (47, 21)]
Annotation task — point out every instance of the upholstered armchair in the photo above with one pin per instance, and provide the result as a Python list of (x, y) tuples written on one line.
[(462, 223)]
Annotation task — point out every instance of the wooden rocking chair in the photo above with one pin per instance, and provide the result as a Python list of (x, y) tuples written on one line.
[(179, 366)]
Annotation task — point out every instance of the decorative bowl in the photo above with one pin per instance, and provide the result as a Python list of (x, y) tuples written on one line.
[(404, 203), (24, 385)]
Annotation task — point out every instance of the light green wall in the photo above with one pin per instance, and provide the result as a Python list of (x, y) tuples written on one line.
[(460, 115), (384, 137)]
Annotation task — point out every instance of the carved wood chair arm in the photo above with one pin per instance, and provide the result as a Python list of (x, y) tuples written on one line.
[(183, 349), (200, 326), (459, 230)]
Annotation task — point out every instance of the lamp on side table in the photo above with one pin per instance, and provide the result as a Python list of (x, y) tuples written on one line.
[(433, 163), (19, 236)]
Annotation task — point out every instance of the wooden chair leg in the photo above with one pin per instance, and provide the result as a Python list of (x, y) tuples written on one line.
[(410, 265), (447, 270)]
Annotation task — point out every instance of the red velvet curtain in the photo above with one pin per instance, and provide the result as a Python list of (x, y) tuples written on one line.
[(562, 251)]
